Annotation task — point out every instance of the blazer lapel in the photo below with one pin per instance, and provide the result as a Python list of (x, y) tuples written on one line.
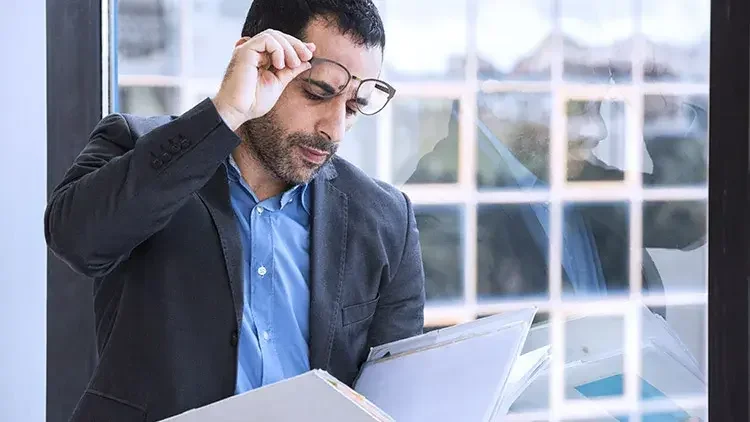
[(215, 194), (327, 261)]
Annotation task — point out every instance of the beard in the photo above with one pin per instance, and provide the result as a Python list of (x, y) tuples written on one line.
[(531, 145), (279, 152)]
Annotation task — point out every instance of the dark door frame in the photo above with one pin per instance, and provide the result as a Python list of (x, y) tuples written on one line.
[(74, 106)]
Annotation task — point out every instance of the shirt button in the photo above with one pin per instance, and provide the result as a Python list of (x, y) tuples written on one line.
[(262, 271), (260, 210), (266, 336)]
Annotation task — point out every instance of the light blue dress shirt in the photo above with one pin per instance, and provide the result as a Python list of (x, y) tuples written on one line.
[(275, 234), (580, 258)]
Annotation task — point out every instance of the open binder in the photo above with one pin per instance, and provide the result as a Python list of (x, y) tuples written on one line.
[(477, 371)]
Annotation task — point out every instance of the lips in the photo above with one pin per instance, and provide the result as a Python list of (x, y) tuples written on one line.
[(313, 155)]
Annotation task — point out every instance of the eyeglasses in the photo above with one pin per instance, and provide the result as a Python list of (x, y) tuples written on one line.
[(327, 79)]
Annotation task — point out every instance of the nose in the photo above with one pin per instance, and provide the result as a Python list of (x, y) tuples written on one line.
[(332, 123), (588, 128)]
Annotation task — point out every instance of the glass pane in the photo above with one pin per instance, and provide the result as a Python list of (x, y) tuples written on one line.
[(595, 255), (675, 132), (597, 40), (148, 101), (677, 34), (441, 237), (513, 140), (510, 36), (217, 25), (427, 39), (359, 146), (596, 138), (511, 245), (674, 235), (424, 146), (148, 37)]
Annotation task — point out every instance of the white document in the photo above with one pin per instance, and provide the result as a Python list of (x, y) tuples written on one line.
[(452, 333), (314, 396), (456, 374)]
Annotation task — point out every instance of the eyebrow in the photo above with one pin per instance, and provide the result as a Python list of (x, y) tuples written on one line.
[(323, 85)]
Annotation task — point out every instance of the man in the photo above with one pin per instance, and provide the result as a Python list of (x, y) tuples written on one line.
[(512, 245), (230, 248)]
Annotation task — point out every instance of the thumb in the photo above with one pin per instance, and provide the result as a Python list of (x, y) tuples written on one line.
[(286, 74)]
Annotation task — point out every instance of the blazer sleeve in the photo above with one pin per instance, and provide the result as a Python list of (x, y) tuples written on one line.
[(121, 189), (400, 310)]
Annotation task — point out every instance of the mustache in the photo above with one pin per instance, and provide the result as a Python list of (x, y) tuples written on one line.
[(316, 142)]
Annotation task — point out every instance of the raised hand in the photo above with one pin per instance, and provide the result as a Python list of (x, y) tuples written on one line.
[(260, 68)]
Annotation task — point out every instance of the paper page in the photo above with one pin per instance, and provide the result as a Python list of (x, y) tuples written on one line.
[(443, 335), (526, 369), (459, 381)]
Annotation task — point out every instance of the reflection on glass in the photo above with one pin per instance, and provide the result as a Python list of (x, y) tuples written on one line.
[(596, 140), (359, 146), (513, 140), (595, 255), (148, 37), (675, 132), (148, 101), (216, 26), (424, 148), (597, 40), (429, 39), (512, 252), (441, 238), (511, 39), (675, 234), (677, 40)]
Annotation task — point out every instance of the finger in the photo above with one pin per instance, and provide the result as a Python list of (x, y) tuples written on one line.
[(304, 50), (290, 53), (287, 75), (270, 50)]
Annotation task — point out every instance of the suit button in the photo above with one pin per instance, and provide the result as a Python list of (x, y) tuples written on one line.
[(184, 143), (174, 147), (156, 163), (235, 339), (165, 156)]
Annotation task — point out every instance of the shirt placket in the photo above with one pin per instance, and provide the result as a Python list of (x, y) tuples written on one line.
[(263, 288)]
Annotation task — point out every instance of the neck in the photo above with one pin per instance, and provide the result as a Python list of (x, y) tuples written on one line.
[(262, 181)]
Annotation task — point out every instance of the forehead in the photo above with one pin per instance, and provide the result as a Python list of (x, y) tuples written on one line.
[(361, 61)]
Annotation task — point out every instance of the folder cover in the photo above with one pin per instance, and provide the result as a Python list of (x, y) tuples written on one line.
[(314, 396)]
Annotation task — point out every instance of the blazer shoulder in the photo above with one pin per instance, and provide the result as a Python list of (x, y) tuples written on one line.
[(376, 196)]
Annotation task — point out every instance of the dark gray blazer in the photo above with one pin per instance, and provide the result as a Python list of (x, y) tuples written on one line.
[(145, 212)]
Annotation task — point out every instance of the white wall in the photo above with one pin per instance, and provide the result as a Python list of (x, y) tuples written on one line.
[(23, 185)]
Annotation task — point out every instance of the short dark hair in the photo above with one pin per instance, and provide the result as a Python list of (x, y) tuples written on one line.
[(359, 19)]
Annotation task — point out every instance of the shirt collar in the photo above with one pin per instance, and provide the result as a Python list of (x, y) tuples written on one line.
[(302, 191)]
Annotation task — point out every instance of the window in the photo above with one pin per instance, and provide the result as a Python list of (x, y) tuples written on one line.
[(555, 151)]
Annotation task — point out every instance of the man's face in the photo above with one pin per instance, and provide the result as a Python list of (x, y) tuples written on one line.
[(301, 133), (522, 122)]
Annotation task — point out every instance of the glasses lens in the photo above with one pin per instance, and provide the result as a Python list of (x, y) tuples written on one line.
[(326, 79), (372, 96)]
